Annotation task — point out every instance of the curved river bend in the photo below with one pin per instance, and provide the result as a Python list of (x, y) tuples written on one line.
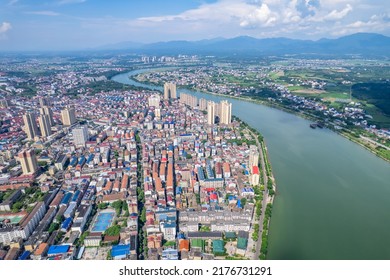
[(333, 197)]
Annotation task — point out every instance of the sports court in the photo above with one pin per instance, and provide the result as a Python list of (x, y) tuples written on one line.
[(103, 221)]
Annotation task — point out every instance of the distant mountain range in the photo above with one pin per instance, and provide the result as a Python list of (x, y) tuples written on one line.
[(367, 44)]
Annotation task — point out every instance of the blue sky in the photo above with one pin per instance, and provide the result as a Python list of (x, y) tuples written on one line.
[(79, 24)]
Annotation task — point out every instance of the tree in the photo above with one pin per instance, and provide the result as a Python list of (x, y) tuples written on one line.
[(53, 227), (17, 206), (117, 205), (102, 205), (143, 215), (113, 230), (243, 202)]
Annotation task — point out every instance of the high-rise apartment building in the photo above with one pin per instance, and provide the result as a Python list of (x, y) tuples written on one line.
[(68, 116), (44, 101), (189, 100), (202, 104), (80, 135), (225, 112), (154, 101), (30, 126), (28, 161), (170, 91), (157, 113), (210, 112), (44, 125), (46, 110)]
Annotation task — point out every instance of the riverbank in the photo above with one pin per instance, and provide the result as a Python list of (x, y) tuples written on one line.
[(310, 167), (301, 114), (264, 194)]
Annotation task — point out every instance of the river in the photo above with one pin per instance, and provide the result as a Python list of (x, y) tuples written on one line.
[(333, 196)]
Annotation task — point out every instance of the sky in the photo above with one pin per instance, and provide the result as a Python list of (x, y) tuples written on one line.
[(81, 24)]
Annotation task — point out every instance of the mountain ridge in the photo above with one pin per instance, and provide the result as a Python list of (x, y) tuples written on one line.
[(357, 43)]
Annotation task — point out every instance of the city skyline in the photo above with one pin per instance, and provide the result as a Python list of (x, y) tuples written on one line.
[(83, 24)]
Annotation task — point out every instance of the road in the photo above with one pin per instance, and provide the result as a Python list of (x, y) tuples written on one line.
[(265, 195)]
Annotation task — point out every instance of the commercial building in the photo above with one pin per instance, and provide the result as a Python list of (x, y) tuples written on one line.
[(170, 91), (30, 126)]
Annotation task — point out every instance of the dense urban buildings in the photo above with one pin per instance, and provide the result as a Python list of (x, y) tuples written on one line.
[(127, 173)]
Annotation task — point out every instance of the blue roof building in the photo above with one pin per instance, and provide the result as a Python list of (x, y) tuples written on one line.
[(58, 249), (119, 252)]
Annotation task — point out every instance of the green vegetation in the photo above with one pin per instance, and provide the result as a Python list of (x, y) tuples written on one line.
[(53, 226), (270, 187), (188, 156), (377, 94), (171, 243), (113, 230), (383, 153), (82, 237), (239, 142), (264, 236), (117, 205), (255, 234), (243, 202), (16, 207), (102, 206), (197, 198), (204, 228)]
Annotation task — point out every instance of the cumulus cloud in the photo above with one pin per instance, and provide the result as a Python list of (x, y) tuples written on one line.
[(243, 13), (336, 15), (306, 19), (4, 27), (260, 16)]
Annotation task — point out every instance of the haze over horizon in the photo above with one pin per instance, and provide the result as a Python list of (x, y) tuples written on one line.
[(81, 24)]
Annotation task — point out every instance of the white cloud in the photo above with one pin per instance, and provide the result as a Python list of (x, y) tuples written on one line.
[(337, 15), (43, 13), (260, 16), (242, 13), (4, 27)]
